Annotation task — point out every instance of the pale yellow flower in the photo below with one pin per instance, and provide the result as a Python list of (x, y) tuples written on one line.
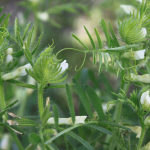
[(137, 55), (17, 73), (140, 78), (78, 119), (136, 130), (145, 100), (146, 147)]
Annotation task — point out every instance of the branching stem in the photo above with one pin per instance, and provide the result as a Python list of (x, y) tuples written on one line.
[(111, 50)]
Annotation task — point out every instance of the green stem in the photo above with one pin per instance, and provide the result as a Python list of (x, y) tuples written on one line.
[(40, 99), (119, 106), (110, 50), (142, 133), (2, 98), (118, 111)]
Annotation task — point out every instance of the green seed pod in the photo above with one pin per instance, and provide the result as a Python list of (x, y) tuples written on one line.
[(131, 32)]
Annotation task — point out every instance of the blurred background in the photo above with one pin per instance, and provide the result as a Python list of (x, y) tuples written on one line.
[(57, 19)]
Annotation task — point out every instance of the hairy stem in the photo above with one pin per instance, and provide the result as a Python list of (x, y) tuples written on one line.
[(2, 98), (142, 133), (40, 99)]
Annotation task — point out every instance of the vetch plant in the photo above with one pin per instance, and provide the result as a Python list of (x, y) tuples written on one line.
[(127, 52)]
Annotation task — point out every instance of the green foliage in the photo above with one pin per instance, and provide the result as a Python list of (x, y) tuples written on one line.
[(70, 103), (99, 128), (134, 99), (130, 31), (34, 138), (8, 67), (78, 138), (14, 136), (111, 54), (46, 114), (7, 108), (54, 9), (62, 132), (22, 84), (4, 19), (95, 101), (83, 98), (25, 41), (47, 68)]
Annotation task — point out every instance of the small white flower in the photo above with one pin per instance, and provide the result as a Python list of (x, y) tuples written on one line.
[(64, 66), (18, 72), (78, 119), (43, 16), (141, 78), (145, 100), (128, 9), (9, 58), (136, 130), (9, 51), (137, 55)]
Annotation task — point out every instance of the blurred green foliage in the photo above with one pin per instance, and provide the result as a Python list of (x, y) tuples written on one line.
[(66, 17)]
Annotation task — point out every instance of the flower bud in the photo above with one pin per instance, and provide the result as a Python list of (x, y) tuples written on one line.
[(145, 100), (136, 130), (147, 121), (9, 58), (9, 51), (78, 119), (134, 55), (18, 72), (43, 16), (139, 78)]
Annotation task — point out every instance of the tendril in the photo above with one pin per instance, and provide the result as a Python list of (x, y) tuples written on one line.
[(82, 63), (70, 49)]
